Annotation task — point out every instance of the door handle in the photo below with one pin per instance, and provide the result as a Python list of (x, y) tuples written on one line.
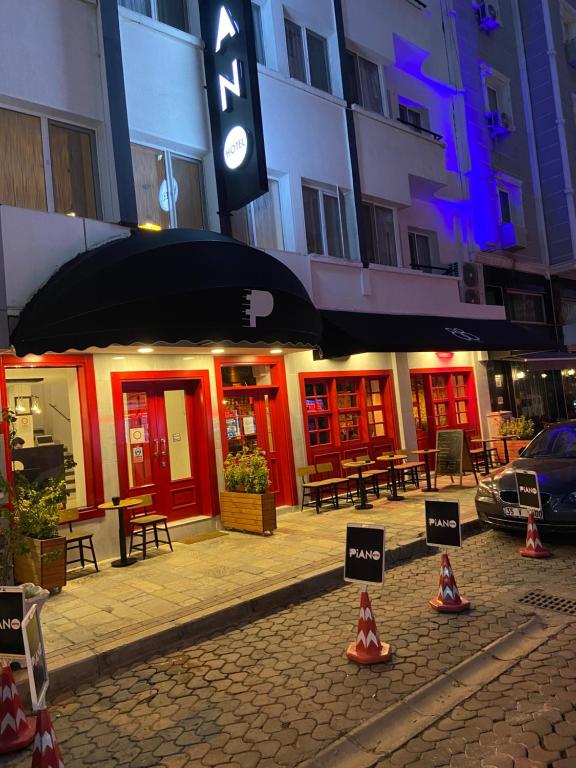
[(163, 444), (155, 448)]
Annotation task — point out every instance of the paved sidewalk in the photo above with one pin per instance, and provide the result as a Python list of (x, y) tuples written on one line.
[(107, 618), (277, 691)]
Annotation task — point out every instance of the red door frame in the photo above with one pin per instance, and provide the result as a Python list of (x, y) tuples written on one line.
[(473, 425), (336, 449), (207, 477), (88, 418), (281, 414)]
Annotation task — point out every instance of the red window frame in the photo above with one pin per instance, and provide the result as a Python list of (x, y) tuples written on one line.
[(88, 416), (338, 450)]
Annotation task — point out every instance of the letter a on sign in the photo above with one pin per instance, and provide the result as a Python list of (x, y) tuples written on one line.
[(226, 28)]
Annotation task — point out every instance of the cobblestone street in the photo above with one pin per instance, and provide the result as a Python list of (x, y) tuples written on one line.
[(277, 691)]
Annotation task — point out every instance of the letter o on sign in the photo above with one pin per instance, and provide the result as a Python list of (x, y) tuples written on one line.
[(236, 147)]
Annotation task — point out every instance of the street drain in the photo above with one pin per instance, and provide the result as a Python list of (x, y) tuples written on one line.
[(540, 599)]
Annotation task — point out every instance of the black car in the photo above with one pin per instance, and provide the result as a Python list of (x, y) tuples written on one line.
[(552, 455)]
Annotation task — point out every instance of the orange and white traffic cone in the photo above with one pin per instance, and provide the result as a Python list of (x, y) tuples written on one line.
[(449, 599), (16, 730), (46, 752), (367, 649), (533, 546)]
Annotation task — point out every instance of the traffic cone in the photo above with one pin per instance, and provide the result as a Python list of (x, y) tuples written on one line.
[(449, 599), (533, 546), (16, 730), (46, 752), (367, 649)]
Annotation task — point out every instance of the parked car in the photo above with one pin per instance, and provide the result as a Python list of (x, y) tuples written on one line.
[(552, 455)]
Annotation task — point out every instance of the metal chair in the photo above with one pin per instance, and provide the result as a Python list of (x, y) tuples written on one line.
[(143, 521), (81, 541)]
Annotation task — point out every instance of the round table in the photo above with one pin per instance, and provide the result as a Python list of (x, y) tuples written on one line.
[(427, 452), (391, 458), (121, 506), (360, 465)]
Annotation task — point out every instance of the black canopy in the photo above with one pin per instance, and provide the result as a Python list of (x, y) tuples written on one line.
[(347, 333), (172, 286)]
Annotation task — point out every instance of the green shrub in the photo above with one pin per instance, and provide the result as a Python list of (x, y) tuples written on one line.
[(520, 426), (247, 471)]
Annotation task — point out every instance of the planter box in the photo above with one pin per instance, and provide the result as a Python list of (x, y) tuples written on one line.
[(253, 512), (515, 446), (48, 572)]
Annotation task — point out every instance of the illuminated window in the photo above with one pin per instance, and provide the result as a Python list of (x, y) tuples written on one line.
[(170, 12)]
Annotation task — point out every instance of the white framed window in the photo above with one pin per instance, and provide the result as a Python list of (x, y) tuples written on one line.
[(325, 221), (258, 34), (497, 100), (308, 59), (174, 13), (525, 307), (510, 203), (505, 207), (365, 83), (260, 222), (168, 188), (48, 165), (568, 18), (423, 247), (415, 116), (378, 227)]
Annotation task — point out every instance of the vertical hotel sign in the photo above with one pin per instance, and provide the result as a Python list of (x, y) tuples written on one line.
[(233, 102)]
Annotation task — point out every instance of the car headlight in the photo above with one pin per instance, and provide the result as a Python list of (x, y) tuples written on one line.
[(485, 489), (571, 498)]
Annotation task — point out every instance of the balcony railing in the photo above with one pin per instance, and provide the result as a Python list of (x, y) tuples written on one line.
[(419, 129), (448, 269)]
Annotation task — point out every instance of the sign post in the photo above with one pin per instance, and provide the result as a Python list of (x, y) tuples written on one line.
[(443, 530), (364, 564)]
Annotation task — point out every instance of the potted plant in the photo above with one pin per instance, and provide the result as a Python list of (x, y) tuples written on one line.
[(247, 504), (522, 430)]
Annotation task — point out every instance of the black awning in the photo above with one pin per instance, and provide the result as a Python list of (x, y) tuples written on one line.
[(172, 286), (348, 333)]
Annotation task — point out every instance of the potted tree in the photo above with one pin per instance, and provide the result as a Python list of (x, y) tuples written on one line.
[(247, 504), (522, 429)]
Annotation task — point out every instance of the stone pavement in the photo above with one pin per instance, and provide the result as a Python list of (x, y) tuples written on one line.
[(98, 615), (278, 690)]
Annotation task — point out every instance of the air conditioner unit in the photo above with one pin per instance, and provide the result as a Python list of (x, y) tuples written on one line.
[(513, 236), (570, 48), (472, 283), (499, 124), (488, 16)]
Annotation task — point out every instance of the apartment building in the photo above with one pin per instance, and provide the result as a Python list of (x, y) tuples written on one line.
[(346, 317)]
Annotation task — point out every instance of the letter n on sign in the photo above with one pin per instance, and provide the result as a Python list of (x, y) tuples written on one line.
[(364, 559)]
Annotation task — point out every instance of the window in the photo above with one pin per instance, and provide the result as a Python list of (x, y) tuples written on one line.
[(364, 83), (567, 310), (504, 201), (170, 12), (260, 222), (318, 413), (348, 409), (47, 166), (497, 101), (411, 116), (258, 33), (568, 18), (377, 223), (324, 222), (307, 56), (423, 250), (526, 307), (375, 408), (168, 189)]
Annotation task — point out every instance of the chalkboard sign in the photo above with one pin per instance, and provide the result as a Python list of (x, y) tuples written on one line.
[(35, 658), (453, 457)]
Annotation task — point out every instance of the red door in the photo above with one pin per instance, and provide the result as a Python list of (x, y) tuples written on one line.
[(160, 442), (250, 422)]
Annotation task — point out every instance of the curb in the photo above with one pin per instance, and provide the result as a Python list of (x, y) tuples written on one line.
[(88, 666), (388, 731)]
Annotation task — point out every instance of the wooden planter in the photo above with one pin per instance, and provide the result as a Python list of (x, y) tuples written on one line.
[(515, 446), (253, 512), (48, 572)]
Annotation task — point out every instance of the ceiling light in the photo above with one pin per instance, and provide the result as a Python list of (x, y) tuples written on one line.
[(192, 357), (119, 357), (544, 375), (145, 350), (571, 372), (151, 226), (276, 351), (520, 374), (218, 351), (71, 213)]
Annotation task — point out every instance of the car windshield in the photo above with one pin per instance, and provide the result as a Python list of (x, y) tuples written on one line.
[(559, 442)]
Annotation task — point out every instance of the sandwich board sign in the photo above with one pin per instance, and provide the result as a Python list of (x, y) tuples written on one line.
[(364, 559), (453, 457), (528, 491), (11, 618), (443, 523), (35, 658)]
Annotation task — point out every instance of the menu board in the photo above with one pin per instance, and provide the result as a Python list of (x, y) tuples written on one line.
[(453, 457)]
